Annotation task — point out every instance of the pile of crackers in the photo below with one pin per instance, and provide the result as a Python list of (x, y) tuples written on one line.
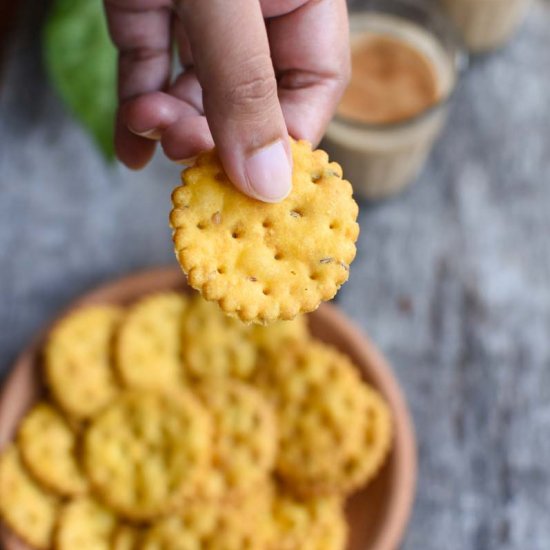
[(171, 426)]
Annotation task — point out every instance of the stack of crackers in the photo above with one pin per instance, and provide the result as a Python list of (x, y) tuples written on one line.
[(171, 426)]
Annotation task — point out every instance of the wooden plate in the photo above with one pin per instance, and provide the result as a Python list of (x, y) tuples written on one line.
[(377, 515)]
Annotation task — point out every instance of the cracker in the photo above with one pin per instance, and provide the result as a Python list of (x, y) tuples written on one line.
[(244, 442), (148, 343), (278, 335), (47, 446), (24, 506), (205, 525), (321, 404), (263, 262), (84, 524), (367, 460), (144, 449), (78, 360), (214, 345), (127, 537), (315, 523)]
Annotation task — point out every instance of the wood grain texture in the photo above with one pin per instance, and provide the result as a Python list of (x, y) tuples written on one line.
[(452, 279)]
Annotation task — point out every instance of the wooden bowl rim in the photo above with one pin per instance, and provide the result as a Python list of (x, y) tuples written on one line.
[(129, 287)]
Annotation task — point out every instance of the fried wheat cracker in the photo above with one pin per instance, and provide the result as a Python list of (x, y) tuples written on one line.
[(263, 262), (84, 524), (205, 525), (127, 537), (78, 360), (144, 449), (214, 345), (47, 446), (277, 335), (244, 439), (25, 507), (315, 523), (148, 343), (321, 404), (362, 465)]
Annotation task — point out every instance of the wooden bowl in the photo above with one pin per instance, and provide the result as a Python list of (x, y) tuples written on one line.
[(377, 515)]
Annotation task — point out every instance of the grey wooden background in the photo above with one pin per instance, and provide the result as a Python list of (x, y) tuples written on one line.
[(452, 278)]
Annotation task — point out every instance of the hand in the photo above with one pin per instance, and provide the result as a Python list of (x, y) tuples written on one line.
[(246, 85)]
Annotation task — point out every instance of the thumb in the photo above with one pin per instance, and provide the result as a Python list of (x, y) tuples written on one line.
[(231, 54)]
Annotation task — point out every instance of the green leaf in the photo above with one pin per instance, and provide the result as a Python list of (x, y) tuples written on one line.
[(81, 62)]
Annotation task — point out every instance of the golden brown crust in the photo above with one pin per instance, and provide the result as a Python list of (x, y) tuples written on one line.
[(244, 443), (78, 360), (145, 449), (262, 262), (313, 523), (84, 524), (214, 345), (324, 411), (48, 448), (26, 508), (148, 342), (206, 525)]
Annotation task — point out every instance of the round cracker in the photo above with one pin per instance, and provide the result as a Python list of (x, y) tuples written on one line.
[(85, 524), (148, 343), (47, 446), (206, 525), (271, 338), (78, 360), (127, 537), (26, 508), (362, 465), (144, 449), (315, 523), (214, 345), (321, 404), (259, 261), (244, 439)]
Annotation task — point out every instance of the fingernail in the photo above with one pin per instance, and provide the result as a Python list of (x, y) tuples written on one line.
[(269, 173), (149, 134)]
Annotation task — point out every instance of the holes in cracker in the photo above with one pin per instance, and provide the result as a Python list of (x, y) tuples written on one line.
[(278, 256), (252, 279), (326, 261), (266, 291), (237, 233), (267, 224), (371, 438), (334, 225), (201, 225), (296, 213), (350, 466), (217, 218), (316, 177)]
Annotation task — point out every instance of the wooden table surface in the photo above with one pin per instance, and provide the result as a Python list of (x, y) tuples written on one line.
[(452, 278)]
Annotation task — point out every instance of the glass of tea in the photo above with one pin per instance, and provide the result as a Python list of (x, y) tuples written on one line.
[(406, 60)]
